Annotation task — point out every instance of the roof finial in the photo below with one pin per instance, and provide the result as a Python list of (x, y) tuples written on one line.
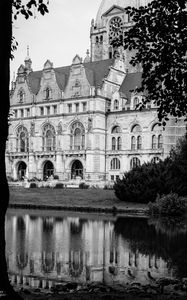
[(27, 51)]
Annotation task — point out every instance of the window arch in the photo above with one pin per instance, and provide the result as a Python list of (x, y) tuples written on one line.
[(77, 138), (134, 163), (115, 164), (116, 129), (22, 139), (49, 138), (136, 129), (116, 104)]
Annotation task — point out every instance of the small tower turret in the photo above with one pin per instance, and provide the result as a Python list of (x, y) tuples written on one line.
[(28, 62)]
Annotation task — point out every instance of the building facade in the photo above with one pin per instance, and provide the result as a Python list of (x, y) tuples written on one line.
[(80, 121)]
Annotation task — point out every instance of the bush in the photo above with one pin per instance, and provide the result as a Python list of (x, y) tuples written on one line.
[(108, 187), (83, 185), (143, 183), (32, 185), (170, 204), (59, 186), (56, 177)]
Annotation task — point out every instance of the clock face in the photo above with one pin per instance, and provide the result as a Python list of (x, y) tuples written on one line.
[(115, 28)]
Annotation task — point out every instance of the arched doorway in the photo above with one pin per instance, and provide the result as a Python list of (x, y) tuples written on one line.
[(48, 170), (76, 169), (22, 170)]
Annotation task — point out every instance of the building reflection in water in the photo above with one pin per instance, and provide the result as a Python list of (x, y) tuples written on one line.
[(82, 250)]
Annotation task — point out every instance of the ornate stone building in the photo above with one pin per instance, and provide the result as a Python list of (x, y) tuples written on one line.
[(80, 120)]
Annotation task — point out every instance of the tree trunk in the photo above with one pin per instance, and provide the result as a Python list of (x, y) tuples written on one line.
[(5, 51)]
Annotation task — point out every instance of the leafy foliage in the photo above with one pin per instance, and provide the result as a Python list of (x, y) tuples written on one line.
[(158, 39), (143, 183), (170, 204), (19, 7)]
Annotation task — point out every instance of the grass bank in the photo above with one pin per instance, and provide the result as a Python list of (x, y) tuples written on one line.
[(71, 199)]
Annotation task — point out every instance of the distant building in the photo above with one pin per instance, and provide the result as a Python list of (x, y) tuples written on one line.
[(79, 121)]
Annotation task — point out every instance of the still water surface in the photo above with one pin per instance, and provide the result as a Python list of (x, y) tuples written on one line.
[(45, 247)]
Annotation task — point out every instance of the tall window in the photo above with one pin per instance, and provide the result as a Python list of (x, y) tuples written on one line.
[(49, 138), (77, 138), (21, 95), (22, 139), (154, 143), (119, 143), (115, 164), (113, 143), (133, 143), (41, 111), (69, 108), (157, 138), (160, 141), (47, 93), (139, 142), (84, 106), (116, 138), (135, 102), (77, 107), (116, 104), (135, 162), (136, 138)]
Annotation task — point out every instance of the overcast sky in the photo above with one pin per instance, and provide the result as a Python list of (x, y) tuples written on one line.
[(57, 36)]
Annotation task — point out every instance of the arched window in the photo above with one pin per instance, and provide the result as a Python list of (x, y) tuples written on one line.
[(77, 138), (139, 142), (119, 143), (115, 164), (101, 39), (133, 143), (135, 162), (113, 143), (154, 143), (160, 141), (97, 39), (116, 104), (22, 139), (49, 138), (157, 138)]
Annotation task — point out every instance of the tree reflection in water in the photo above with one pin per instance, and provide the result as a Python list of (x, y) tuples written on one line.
[(162, 237)]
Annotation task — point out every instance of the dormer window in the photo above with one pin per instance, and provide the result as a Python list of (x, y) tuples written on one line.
[(116, 104), (21, 96), (47, 93)]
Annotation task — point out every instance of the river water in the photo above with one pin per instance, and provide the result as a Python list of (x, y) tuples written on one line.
[(44, 247)]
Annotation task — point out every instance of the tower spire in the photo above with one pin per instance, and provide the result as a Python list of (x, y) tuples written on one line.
[(28, 61)]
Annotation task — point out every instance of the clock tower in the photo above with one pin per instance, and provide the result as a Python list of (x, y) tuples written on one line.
[(110, 23)]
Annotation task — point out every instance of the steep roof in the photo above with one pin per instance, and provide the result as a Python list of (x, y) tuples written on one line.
[(131, 81), (95, 72)]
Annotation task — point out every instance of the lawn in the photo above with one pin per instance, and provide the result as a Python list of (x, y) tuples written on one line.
[(91, 198)]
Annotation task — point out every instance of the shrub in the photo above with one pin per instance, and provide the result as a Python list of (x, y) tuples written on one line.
[(59, 186), (108, 187), (143, 183), (32, 185), (83, 185), (170, 204), (56, 177)]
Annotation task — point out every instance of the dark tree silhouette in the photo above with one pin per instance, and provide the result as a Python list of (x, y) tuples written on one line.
[(7, 9), (158, 38)]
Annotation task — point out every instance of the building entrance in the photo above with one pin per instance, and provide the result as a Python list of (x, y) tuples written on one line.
[(48, 170), (21, 170), (76, 169)]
